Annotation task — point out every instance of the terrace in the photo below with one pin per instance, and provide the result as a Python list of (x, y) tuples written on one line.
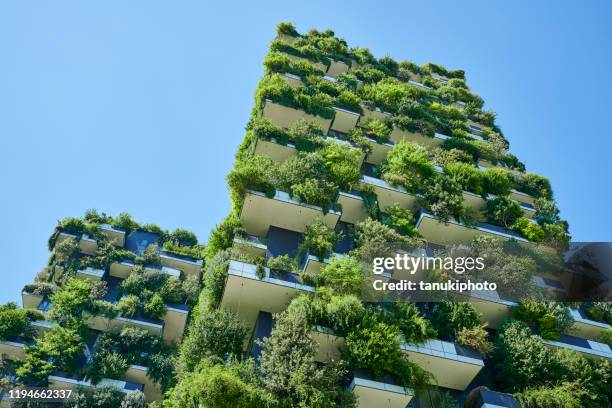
[(67, 382), (454, 232), (260, 212), (90, 273), (490, 305), (337, 68), (388, 194), (247, 294), (116, 236), (344, 120), (12, 349), (373, 393), (588, 348), (378, 152), (87, 244), (353, 210), (372, 113), (398, 135), (452, 365), (284, 116), (585, 327), (274, 150)]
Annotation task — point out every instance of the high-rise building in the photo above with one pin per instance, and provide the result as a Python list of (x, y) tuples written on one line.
[(344, 154)]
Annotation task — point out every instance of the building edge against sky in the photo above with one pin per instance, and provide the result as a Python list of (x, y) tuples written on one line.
[(343, 149)]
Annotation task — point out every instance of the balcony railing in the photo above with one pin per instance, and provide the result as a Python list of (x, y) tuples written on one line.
[(588, 348), (374, 393), (259, 212), (454, 232), (452, 365)]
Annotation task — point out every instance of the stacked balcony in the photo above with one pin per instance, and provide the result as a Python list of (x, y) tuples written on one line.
[(374, 393), (452, 365), (588, 348)]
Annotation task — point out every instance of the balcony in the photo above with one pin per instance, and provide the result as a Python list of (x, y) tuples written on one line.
[(522, 198), (337, 67), (454, 232), (588, 348), (586, 328), (474, 127), (259, 212), (66, 382), (90, 273), (319, 65), (274, 150), (247, 294), (138, 374), (30, 300), (87, 244), (475, 201), (121, 269), (419, 85), (329, 344), (492, 399), (289, 39), (398, 135), (373, 393), (175, 321), (453, 366), (344, 120), (389, 195), (293, 80), (190, 266), (284, 116), (12, 349), (353, 210), (251, 244), (117, 237), (378, 152), (372, 113), (439, 78), (490, 305), (118, 323)]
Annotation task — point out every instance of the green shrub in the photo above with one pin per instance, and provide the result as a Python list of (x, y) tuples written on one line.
[(444, 198), (566, 395), (129, 305), (408, 165), (379, 130), (317, 192), (282, 263), (496, 181), (606, 336), (184, 238), (306, 135), (535, 185), (343, 274), (15, 322), (124, 222), (319, 238), (221, 386), (222, 236), (414, 327), (503, 211), (155, 306), (342, 165), (476, 338), (532, 232), (217, 333), (287, 28), (253, 173), (468, 176), (551, 318), (401, 220), (449, 318)]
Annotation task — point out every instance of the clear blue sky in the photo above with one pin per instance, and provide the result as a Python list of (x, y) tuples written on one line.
[(140, 107)]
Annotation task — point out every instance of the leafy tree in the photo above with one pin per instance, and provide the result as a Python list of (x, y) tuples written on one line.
[(222, 235), (551, 318), (408, 165), (71, 299), (219, 333), (150, 255), (529, 230), (319, 238), (414, 327), (444, 198), (129, 305), (344, 274), (343, 164), (468, 176), (449, 318), (401, 220), (503, 211), (566, 395), (476, 338), (133, 400), (254, 173), (15, 322), (288, 364), (221, 386), (496, 181), (155, 306)]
